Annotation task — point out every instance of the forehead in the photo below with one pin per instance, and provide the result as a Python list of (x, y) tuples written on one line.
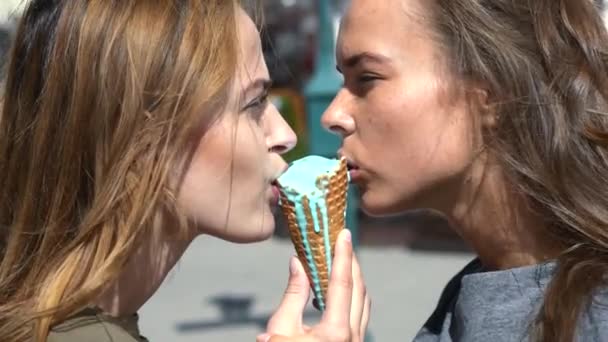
[(381, 25), (384, 13), (249, 45)]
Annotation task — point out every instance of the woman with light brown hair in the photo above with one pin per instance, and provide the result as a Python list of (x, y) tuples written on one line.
[(494, 113), (129, 128)]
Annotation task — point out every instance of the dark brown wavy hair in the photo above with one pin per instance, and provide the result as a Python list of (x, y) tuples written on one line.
[(544, 64)]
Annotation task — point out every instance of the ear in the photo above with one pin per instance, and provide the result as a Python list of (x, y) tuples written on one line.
[(486, 109)]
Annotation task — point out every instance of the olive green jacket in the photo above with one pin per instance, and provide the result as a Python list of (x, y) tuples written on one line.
[(91, 325)]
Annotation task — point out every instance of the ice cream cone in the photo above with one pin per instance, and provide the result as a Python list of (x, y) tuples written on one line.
[(313, 241)]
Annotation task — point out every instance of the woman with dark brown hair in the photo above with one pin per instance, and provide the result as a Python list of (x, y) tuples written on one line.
[(128, 129), (494, 113)]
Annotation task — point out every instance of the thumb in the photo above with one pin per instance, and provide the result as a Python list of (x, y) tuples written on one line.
[(287, 319)]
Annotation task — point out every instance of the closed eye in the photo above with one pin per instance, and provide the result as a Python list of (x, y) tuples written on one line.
[(364, 78), (258, 102), (258, 105), (262, 87)]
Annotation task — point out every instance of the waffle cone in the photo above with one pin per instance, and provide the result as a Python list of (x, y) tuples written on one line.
[(335, 199)]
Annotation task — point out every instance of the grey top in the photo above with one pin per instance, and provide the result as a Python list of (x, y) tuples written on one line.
[(91, 325), (500, 306)]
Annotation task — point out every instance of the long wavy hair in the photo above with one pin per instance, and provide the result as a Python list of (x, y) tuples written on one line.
[(545, 66), (101, 101)]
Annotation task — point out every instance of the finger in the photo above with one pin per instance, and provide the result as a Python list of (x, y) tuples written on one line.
[(287, 319), (366, 315), (279, 338), (263, 338), (340, 288), (358, 298), (273, 338)]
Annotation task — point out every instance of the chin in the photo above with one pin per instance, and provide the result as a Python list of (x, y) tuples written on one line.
[(377, 210), (379, 205), (249, 233)]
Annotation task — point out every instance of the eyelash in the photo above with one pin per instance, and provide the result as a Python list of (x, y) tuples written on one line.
[(259, 103), (366, 78), (362, 83)]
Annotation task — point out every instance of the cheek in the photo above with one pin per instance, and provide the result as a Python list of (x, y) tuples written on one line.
[(250, 152), (402, 127), (418, 141), (423, 129), (233, 149), (206, 172), (227, 173), (213, 153)]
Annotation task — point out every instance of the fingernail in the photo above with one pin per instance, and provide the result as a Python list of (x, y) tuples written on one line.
[(293, 267), (348, 237), (263, 338)]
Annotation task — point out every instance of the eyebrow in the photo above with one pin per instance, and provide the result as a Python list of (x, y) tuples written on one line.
[(263, 83), (356, 59)]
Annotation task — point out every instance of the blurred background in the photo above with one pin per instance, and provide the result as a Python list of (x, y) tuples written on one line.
[(226, 292)]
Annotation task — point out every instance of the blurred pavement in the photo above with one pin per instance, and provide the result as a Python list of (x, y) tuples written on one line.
[(247, 282)]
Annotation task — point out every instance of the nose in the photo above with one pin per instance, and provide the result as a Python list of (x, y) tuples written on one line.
[(280, 138), (337, 118)]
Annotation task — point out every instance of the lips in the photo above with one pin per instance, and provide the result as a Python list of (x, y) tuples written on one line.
[(351, 165), (274, 187), (353, 168)]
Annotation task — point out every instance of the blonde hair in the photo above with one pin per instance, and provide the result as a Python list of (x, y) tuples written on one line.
[(102, 102)]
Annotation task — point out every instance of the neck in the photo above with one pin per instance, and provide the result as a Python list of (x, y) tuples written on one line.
[(497, 222), (143, 275)]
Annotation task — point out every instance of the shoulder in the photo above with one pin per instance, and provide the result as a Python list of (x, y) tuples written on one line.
[(593, 323), (90, 328), (450, 293)]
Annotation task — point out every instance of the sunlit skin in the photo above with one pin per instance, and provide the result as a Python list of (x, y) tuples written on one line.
[(414, 141), (227, 188)]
